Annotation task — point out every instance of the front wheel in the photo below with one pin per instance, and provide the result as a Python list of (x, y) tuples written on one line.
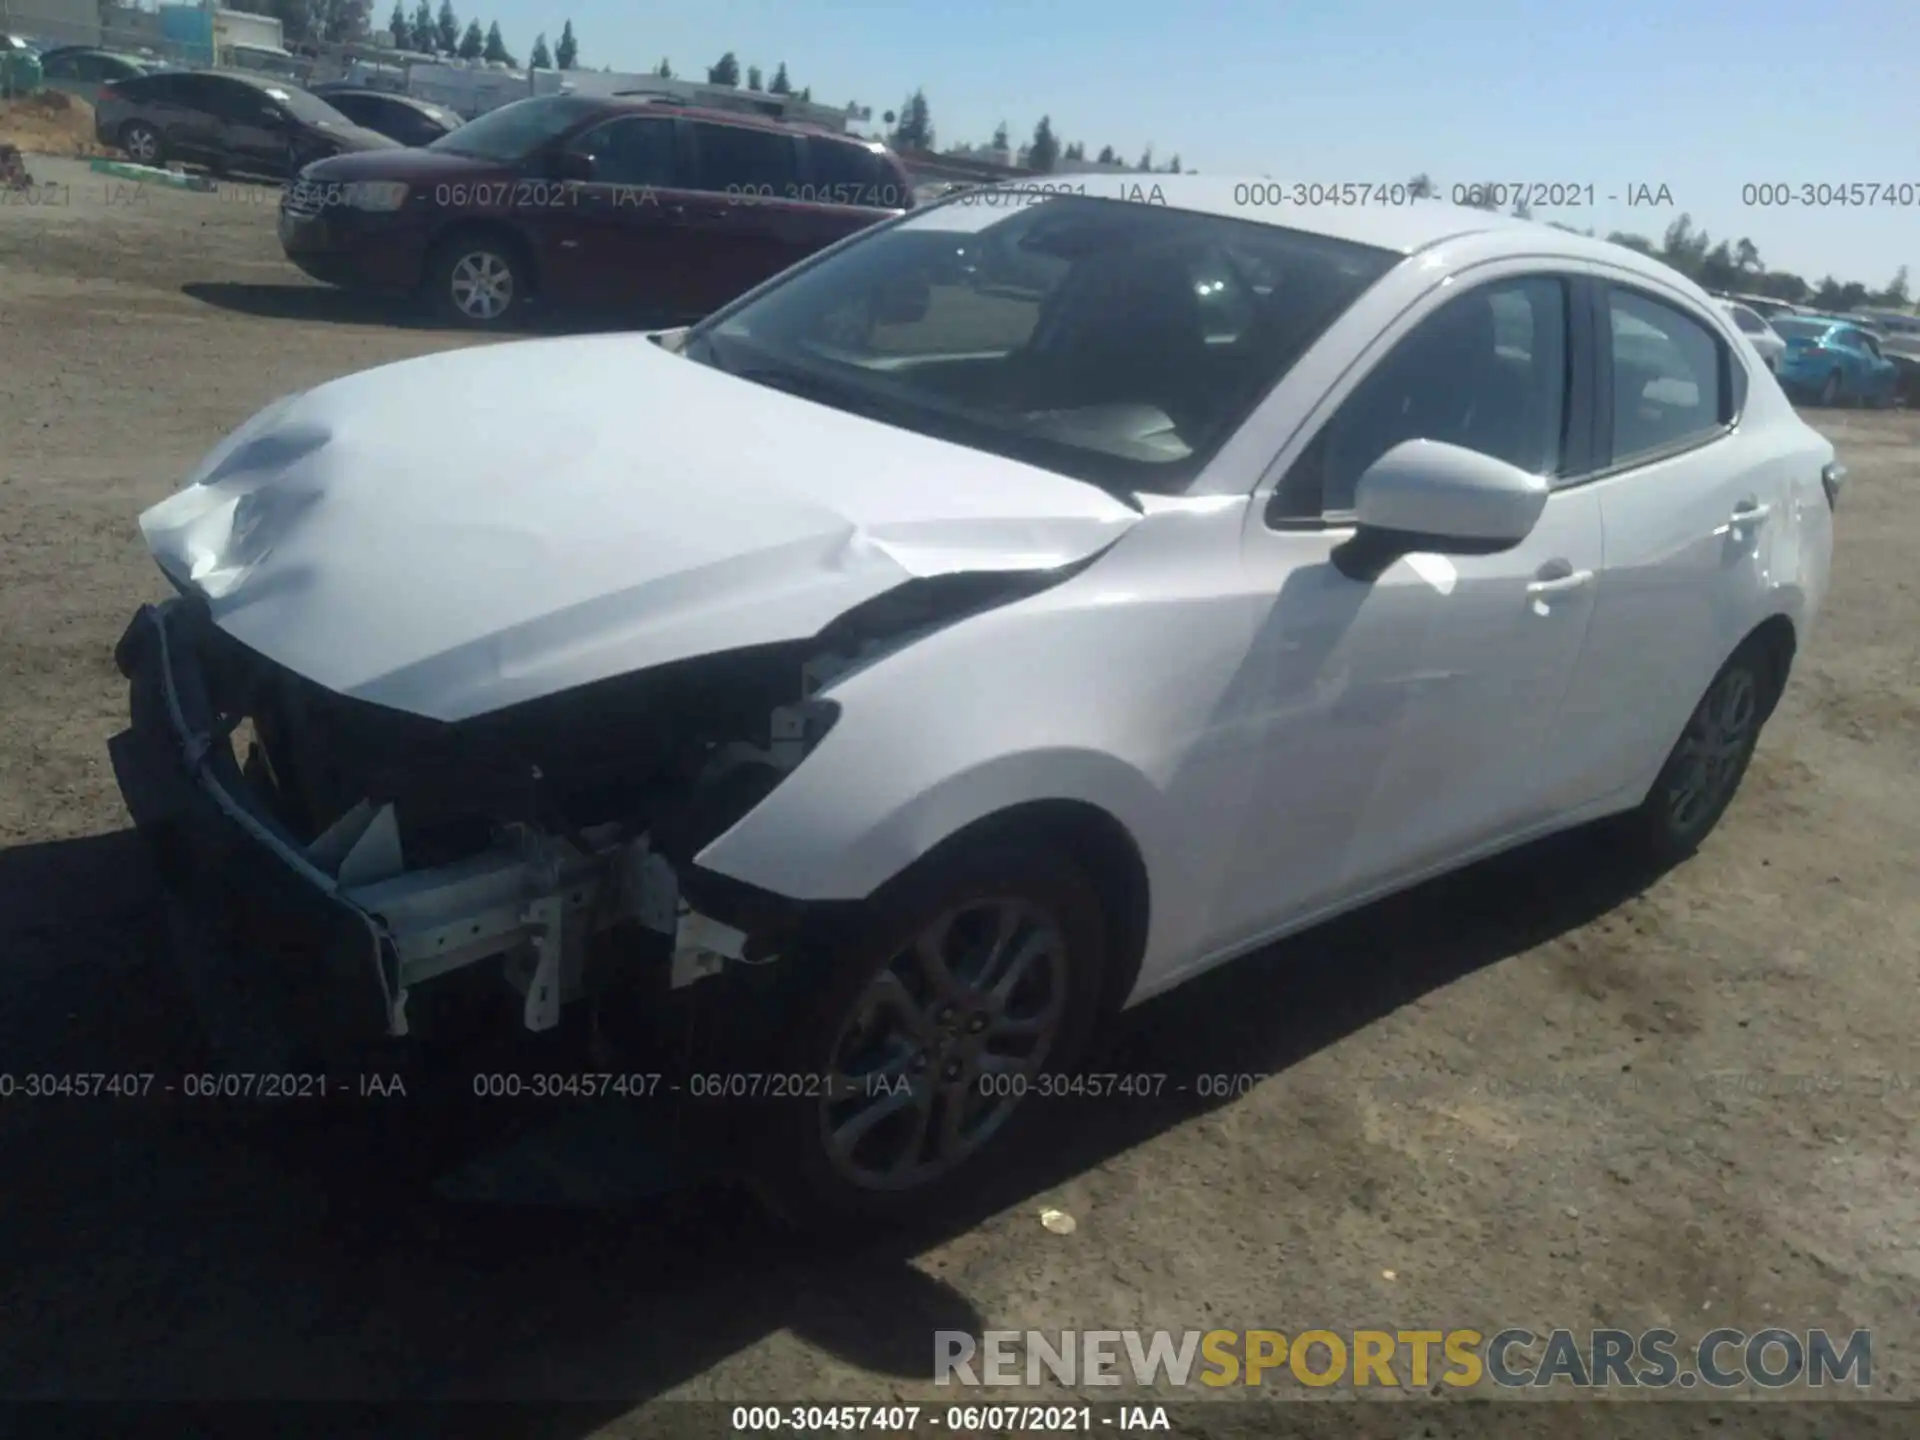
[(1707, 763), (477, 281), (944, 1016), (142, 143)]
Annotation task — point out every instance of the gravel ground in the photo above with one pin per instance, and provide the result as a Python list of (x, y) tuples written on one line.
[(1533, 1094)]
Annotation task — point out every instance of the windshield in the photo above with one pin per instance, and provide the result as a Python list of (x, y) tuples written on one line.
[(514, 131), (305, 105), (1118, 342), (1801, 329)]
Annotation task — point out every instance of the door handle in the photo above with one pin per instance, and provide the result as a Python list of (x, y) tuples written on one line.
[(1560, 584), (1748, 514)]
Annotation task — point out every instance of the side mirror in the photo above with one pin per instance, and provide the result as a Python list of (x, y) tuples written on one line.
[(1432, 496), (571, 165)]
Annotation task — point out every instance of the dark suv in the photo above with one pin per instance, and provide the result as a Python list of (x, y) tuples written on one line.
[(225, 121), (611, 202)]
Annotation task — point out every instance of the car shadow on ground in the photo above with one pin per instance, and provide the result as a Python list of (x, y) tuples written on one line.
[(160, 1248), (323, 304)]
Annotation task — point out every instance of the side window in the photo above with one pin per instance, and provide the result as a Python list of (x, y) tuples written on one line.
[(408, 125), (1487, 370), (229, 100), (631, 152), (356, 108), (181, 90), (1669, 375), (1873, 346), (737, 160), (846, 174)]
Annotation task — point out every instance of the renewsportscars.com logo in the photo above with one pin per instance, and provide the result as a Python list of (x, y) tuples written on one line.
[(1721, 1359)]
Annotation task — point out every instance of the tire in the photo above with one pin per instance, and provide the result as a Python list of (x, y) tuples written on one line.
[(1830, 389), (143, 144), (465, 269), (1704, 769), (868, 976)]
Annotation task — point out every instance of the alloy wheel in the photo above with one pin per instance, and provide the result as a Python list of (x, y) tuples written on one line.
[(482, 285), (142, 144), (942, 1044), (1713, 749)]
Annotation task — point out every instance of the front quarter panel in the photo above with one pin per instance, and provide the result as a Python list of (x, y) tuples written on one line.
[(1114, 689)]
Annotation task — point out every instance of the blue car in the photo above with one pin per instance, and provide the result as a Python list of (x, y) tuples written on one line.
[(1833, 363)]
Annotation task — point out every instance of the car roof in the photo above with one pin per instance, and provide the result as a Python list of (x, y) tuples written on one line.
[(1401, 228), (653, 104), (332, 91)]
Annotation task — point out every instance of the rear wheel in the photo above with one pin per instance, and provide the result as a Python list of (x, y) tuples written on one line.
[(142, 143), (1705, 767), (940, 1015), (477, 280)]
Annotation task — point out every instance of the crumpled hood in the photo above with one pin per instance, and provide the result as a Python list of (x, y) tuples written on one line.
[(457, 533)]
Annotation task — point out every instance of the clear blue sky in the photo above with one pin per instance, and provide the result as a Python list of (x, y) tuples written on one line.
[(1702, 96)]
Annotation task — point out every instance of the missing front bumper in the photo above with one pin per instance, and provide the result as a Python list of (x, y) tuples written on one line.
[(327, 939)]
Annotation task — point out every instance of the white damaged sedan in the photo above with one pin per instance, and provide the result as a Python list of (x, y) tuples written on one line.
[(999, 618)]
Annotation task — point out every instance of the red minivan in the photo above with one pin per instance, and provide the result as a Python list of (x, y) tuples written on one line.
[(569, 200)]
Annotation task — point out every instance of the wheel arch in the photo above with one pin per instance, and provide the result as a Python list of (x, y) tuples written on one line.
[(1095, 841), (495, 229), (1780, 641), (1094, 806)]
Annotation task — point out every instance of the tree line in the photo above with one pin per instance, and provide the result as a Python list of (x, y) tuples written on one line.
[(726, 71), (911, 128), (421, 32)]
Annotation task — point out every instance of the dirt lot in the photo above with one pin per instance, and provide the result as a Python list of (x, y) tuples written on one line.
[(1531, 1095), (51, 123)]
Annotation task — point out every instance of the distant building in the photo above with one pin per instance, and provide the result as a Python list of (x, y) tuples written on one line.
[(60, 22)]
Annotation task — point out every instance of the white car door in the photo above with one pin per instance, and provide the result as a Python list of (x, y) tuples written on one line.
[(1688, 501), (1403, 718)]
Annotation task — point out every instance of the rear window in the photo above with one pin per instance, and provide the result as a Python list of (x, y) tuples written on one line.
[(305, 105), (854, 175), (1801, 329)]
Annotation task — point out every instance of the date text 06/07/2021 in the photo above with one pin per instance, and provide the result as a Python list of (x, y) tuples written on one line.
[(199, 1085), (807, 1419)]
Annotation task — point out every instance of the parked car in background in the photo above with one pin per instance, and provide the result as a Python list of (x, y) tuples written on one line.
[(19, 66), (1765, 306), (398, 117), (904, 704), (1754, 326), (581, 200), (1887, 322), (225, 120), (1834, 362), (81, 70), (1906, 366)]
